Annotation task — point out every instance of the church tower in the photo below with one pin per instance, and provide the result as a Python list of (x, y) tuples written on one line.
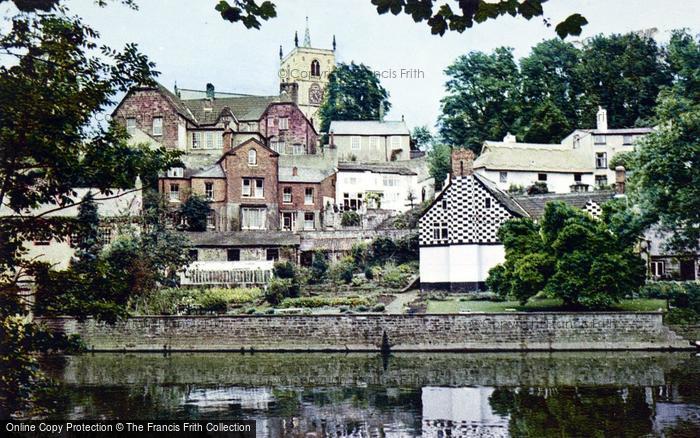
[(304, 74)]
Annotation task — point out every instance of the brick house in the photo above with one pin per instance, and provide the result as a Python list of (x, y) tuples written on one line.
[(194, 121)]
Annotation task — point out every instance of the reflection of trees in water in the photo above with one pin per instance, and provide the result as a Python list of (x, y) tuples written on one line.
[(568, 411)]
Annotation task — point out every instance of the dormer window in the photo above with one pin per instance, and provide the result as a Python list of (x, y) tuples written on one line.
[(252, 157), (176, 172)]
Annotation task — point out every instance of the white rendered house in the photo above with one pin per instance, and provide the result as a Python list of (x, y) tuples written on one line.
[(458, 232), (400, 186), (509, 164)]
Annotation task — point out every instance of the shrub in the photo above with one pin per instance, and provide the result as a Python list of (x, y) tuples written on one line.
[(167, 301), (379, 307), (538, 188), (250, 310), (394, 277), (269, 311), (277, 290), (213, 300), (284, 269), (369, 273), (362, 308), (682, 316), (358, 252), (319, 266), (407, 249), (350, 219), (357, 282), (319, 301), (343, 270), (195, 211)]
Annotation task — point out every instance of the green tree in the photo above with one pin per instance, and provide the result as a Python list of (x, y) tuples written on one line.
[(195, 211), (623, 74), (666, 177), (58, 80), (422, 137), (88, 244), (551, 92), (483, 99), (568, 255), (439, 15), (353, 93), (440, 163)]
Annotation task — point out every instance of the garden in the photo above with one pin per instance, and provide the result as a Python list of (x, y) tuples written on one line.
[(365, 280)]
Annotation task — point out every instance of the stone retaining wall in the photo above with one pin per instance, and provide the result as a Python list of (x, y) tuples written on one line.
[(477, 331)]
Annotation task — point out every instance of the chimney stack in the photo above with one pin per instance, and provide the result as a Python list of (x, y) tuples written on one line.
[(510, 138), (462, 162), (602, 119), (332, 140), (620, 176), (295, 171), (228, 139), (210, 91)]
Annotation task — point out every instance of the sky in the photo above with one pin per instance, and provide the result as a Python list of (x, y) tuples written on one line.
[(192, 45)]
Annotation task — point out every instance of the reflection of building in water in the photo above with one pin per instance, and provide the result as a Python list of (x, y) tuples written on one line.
[(460, 412), (215, 399)]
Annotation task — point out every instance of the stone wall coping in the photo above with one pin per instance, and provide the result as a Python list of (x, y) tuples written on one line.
[(374, 315)]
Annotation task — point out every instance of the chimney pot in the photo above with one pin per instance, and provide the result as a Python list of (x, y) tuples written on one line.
[(211, 91), (510, 138), (295, 172)]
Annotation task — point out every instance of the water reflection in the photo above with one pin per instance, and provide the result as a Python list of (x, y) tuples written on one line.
[(485, 394)]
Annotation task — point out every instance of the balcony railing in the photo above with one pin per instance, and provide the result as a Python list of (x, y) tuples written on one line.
[(243, 273)]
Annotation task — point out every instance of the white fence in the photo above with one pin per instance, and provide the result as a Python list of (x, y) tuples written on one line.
[(247, 273)]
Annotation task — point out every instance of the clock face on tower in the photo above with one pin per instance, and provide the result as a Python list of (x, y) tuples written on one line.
[(315, 94)]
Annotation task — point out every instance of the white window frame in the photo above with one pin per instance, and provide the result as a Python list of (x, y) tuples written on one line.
[(374, 142), (355, 143), (654, 267), (440, 231), (176, 172), (209, 140), (219, 143), (131, 125), (282, 123), (308, 198), (309, 224), (209, 190), (286, 195), (601, 160), (599, 139), (601, 177), (252, 157), (257, 215), (298, 149), (390, 181), (157, 128), (503, 177), (196, 140), (174, 192), (211, 220)]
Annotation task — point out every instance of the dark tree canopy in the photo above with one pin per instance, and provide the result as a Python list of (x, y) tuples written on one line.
[(353, 93), (666, 174), (482, 101), (552, 91), (439, 15), (567, 255), (59, 81)]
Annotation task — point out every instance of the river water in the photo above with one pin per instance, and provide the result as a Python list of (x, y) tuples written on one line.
[(438, 394)]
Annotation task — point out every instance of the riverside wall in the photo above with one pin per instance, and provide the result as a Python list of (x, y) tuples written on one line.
[(427, 332)]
